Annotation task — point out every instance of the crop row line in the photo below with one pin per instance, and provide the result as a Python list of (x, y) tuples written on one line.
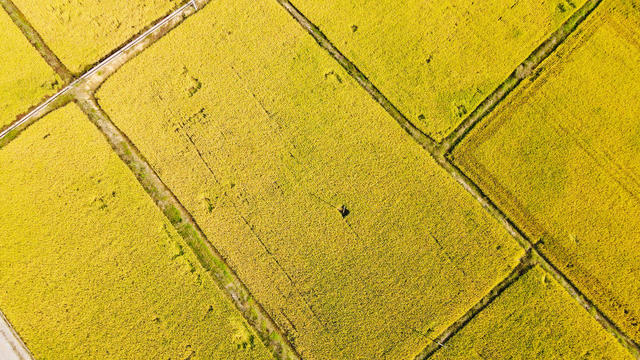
[(81, 91), (439, 151)]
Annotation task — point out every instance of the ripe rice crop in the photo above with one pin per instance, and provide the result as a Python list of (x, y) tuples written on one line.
[(90, 268), (560, 156), (354, 240)]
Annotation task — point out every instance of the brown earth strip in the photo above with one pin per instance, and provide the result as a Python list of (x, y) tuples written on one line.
[(524, 70), (208, 256), (526, 263), (36, 40)]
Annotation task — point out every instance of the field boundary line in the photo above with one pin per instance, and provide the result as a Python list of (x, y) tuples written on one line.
[(183, 10), (36, 40), (208, 255), (10, 337), (437, 153), (526, 263), (418, 135), (522, 71), (474, 190)]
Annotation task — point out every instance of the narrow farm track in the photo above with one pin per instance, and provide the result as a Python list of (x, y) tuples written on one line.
[(439, 151), (36, 40), (523, 71), (93, 77), (421, 138), (526, 263), (11, 346), (208, 256)]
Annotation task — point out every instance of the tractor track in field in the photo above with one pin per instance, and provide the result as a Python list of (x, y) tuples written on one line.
[(440, 153)]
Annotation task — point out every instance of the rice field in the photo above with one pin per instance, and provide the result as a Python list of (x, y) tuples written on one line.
[(437, 60), (90, 268), (317, 199), (533, 319), (91, 28), (25, 78), (568, 169), (236, 189)]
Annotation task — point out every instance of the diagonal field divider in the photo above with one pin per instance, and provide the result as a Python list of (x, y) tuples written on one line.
[(81, 91), (185, 10), (208, 256), (438, 151)]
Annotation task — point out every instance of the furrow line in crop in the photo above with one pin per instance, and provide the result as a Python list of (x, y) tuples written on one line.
[(208, 256), (523, 71), (418, 135), (526, 263), (36, 40)]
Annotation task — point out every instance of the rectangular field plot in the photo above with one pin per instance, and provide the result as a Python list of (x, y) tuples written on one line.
[(81, 32), (560, 156), (437, 60), (263, 137), (533, 319), (25, 78), (90, 268)]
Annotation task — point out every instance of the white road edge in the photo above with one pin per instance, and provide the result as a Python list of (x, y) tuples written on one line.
[(97, 68), (11, 346)]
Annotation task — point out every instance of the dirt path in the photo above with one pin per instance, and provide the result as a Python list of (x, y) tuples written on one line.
[(11, 346)]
